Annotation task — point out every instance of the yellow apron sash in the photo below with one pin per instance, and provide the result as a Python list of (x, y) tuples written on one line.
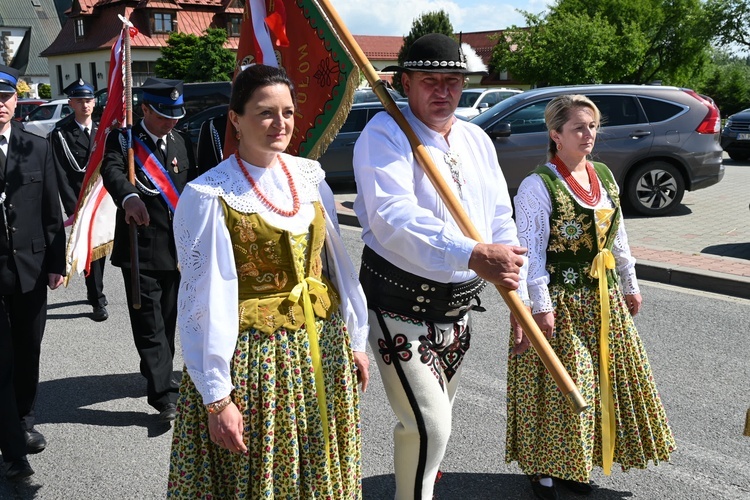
[(605, 260), (302, 289)]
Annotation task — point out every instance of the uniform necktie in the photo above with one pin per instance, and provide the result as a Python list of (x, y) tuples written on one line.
[(88, 138), (162, 151), (2, 161)]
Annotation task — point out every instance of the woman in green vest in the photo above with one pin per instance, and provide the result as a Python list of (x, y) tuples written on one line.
[(584, 295), (272, 319)]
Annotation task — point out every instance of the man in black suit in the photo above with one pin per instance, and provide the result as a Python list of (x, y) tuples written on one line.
[(211, 142), (164, 163), (32, 257), (71, 142)]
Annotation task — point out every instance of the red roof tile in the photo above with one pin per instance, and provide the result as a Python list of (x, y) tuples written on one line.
[(380, 47)]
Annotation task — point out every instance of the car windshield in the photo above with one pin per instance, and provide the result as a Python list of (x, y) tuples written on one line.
[(44, 112), (489, 116), (368, 95), (468, 98)]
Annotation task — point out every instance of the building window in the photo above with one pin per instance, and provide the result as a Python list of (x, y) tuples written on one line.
[(80, 31), (140, 70), (233, 25), (94, 78), (79, 75), (163, 22), (60, 84)]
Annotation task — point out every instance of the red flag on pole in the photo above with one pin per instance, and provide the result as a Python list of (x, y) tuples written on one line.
[(94, 221), (295, 35)]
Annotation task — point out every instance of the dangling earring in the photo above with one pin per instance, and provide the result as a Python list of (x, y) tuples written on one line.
[(237, 134), (559, 146)]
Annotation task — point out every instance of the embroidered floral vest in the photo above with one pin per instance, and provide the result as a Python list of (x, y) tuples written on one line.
[(270, 262), (572, 242)]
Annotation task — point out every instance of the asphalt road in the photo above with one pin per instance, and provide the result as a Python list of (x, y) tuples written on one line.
[(105, 442)]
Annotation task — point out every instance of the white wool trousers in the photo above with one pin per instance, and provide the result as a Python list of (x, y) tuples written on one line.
[(420, 364)]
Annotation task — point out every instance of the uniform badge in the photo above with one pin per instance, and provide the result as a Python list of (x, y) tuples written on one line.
[(174, 95), (175, 168)]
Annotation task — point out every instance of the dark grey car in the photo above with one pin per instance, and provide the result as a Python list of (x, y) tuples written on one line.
[(735, 136), (658, 141), (337, 160)]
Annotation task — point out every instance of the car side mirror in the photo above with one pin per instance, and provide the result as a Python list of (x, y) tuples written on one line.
[(483, 106), (500, 129)]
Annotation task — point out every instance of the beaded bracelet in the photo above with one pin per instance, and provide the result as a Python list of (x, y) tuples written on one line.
[(218, 406)]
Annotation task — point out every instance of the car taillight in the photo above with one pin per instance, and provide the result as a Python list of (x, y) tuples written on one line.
[(711, 124)]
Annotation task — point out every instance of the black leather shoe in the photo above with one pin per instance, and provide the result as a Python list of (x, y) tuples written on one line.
[(540, 491), (19, 469), (576, 487), (169, 412), (100, 313), (35, 442)]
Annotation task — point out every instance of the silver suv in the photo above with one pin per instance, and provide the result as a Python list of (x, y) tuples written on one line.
[(474, 101), (658, 141)]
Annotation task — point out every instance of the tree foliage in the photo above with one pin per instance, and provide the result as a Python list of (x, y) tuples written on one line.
[(176, 56), (429, 22), (22, 88), (196, 59), (45, 90), (728, 83), (732, 21), (608, 41)]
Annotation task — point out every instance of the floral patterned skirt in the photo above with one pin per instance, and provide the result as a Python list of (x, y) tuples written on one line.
[(545, 435), (274, 387)]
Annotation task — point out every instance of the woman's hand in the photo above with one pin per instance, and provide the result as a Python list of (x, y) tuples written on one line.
[(546, 323), (225, 429), (363, 368), (634, 303)]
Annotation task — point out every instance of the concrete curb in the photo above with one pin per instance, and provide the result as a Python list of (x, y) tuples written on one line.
[(698, 279)]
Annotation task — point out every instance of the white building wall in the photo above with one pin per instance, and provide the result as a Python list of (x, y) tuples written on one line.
[(67, 64)]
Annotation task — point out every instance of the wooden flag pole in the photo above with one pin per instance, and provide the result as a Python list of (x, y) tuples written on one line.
[(513, 301), (135, 271)]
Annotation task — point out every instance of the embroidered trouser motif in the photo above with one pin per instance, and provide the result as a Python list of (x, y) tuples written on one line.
[(420, 367)]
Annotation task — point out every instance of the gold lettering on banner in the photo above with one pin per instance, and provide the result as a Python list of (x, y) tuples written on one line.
[(303, 82), (303, 67)]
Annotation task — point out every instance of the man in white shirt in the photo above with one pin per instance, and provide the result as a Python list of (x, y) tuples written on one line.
[(421, 275)]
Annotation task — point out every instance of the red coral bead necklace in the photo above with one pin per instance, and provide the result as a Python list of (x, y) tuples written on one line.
[(268, 203), (590, 197)]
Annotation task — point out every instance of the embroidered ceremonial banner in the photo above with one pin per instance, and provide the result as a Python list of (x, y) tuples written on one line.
[(296, 35), (94, 221)]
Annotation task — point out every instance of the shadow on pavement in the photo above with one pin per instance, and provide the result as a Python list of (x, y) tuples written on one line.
[(68, 400), (22, 490), (736, 250), (680, 211), (72, 303), (59, 305), (477, 486)]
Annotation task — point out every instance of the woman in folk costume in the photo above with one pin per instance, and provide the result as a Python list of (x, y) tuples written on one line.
[(584, 295), (271, 316)]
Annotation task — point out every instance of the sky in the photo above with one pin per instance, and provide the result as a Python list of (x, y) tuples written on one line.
[(395, 17)]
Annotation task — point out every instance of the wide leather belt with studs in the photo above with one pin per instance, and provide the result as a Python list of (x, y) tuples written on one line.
[(392, 289)]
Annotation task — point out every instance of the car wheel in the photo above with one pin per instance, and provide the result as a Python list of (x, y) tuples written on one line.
[(655, 188), (739, 156)]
